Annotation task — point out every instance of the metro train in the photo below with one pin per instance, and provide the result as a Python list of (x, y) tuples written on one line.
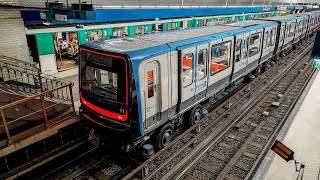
[(147, 86)]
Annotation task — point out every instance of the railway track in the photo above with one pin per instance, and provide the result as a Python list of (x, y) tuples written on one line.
[(192, 153), (231, 140)]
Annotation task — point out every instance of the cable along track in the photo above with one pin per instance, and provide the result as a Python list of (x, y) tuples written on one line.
[(228, 141)]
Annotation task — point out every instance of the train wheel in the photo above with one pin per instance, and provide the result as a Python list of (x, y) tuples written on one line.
[(165, 136), (195, 115)]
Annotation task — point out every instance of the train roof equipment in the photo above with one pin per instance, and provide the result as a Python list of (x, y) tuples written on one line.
[(146, 46)]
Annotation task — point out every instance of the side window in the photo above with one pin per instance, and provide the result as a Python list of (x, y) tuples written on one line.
[(238, 50), (202, 64), (254, 44), (220, 57), (187, 69), (265, 39), (150, 84)]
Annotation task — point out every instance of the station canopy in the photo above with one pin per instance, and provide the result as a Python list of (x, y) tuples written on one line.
[(160, 3)]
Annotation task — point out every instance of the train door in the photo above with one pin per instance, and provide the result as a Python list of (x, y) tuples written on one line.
[(240, 62), (245, 51), (187, 77), (152, 92), (201, 80)]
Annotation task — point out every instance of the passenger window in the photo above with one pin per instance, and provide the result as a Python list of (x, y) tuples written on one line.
[(187, 69), (238, 50), (150, 84), (202, 64), (220, 57), (254, 44)]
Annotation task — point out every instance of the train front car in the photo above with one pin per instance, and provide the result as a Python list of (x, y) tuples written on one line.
[(105, 94)]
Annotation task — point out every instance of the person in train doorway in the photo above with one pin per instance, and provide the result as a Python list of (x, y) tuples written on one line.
[(63, 46)]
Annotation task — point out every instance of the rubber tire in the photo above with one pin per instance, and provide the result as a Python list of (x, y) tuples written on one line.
[(195, 115), (163, 139), (266, 65), (257, 71)]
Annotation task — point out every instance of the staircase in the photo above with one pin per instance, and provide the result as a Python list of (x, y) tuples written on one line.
[(30, 101), (25, 79)]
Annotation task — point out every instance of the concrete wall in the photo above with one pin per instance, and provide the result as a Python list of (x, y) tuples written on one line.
[(13, 41)]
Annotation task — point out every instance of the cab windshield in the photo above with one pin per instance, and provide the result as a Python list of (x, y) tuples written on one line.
[(103, 76)]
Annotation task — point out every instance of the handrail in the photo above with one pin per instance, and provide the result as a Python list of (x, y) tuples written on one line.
[(42, 108)]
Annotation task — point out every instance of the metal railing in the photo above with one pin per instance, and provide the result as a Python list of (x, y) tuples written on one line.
[(26, 80), (30, 115)]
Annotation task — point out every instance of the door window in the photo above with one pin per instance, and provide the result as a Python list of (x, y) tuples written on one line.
[(265, 39), (238, 49), (202, 64), (245, 48), (187, 69), (150, 84)]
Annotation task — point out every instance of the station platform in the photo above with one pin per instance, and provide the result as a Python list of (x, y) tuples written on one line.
[(301, 134)]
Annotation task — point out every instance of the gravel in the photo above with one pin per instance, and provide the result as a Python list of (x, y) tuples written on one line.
[(260, 140), (253, 150), (265, 132), (247, 127), (210, 160), (238, 173), (201, 173), (232, 142), (224, 151), (246, 160)]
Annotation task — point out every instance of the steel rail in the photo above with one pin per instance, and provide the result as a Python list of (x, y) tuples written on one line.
[(208, 143), (275, 133)]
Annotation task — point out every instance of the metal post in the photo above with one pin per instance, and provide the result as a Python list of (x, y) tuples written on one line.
[(226, 2), (6, 127), (79, 5), (252, 2), (44, 111), (71, 98), (182, 1)]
